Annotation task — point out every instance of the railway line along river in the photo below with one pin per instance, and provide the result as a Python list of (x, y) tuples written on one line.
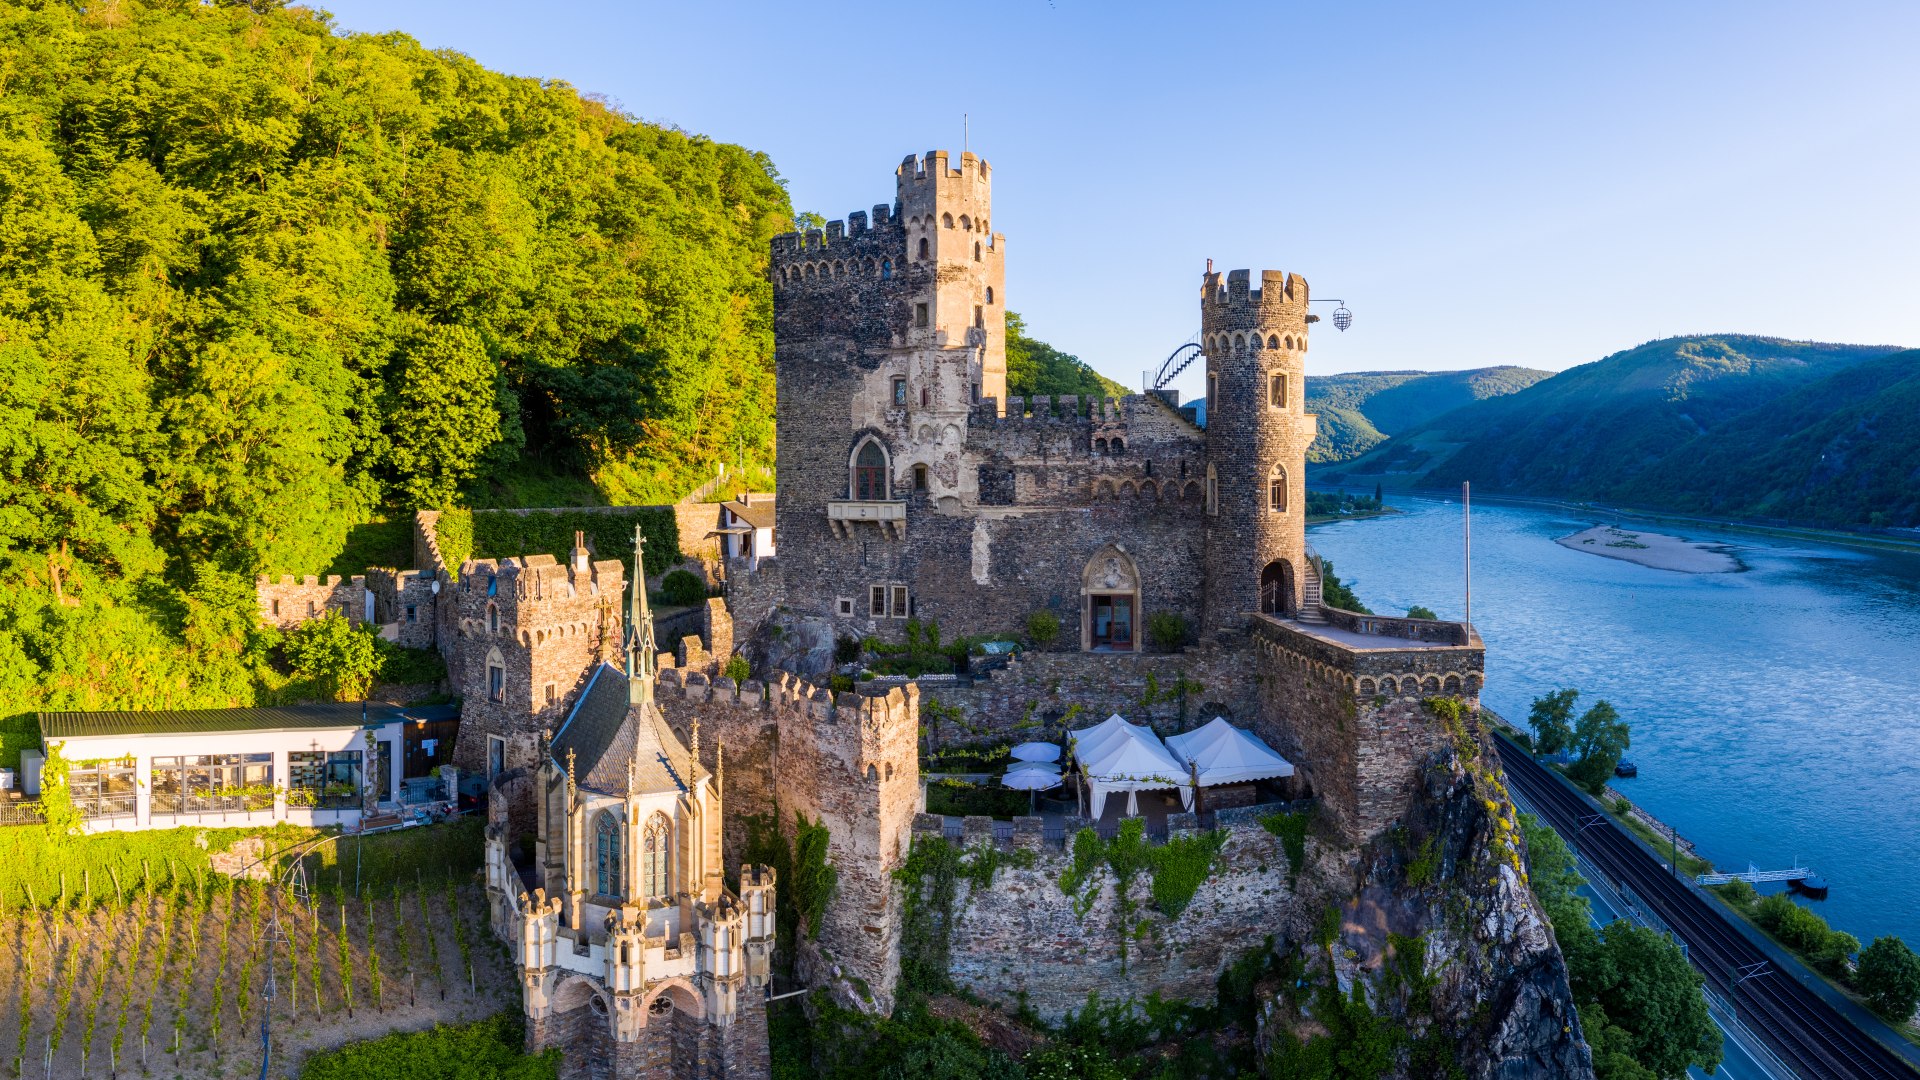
[(1775, 711)]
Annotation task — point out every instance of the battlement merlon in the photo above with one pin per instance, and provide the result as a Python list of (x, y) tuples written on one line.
[(1280, 294), (815, 243)]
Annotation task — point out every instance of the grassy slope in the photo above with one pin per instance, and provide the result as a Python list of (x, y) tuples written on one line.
[(1593, 430), (1360, 410)]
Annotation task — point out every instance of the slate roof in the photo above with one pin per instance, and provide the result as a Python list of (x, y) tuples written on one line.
[(106, 722), (604, 730), (759, 514)]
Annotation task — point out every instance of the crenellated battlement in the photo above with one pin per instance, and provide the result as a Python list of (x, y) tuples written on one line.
[(1278, 290), (836, 237), (933, 170)]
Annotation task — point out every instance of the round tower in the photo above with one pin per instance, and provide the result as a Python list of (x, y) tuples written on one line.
[(1257, 435)]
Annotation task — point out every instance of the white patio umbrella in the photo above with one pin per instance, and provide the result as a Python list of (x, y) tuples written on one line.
[(1036, 751), (1032, 777)]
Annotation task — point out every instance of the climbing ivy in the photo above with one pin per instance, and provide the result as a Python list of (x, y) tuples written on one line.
[(1177, 868), (1291, 828), (814, 878), (932, 875)]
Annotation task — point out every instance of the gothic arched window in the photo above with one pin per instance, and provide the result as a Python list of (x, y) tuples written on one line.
[(655, 845), (606, 855), (886, 269), (870, 472), (1277, 490)]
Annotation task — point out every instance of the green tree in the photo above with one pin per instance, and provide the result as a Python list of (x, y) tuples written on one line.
[(1552, 721), (1613, 1046), (1337, 593), (1418, 612), (1889, 975), (443, 413), (1643, 981), (1037, 368), (339, 659), (1600, 737)]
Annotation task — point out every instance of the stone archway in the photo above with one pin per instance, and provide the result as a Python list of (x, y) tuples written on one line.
[(1110, 616), (1277, 596)]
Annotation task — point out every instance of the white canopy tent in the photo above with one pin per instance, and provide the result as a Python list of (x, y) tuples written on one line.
[(1223, 754), (1086, 742), (1132, 760)]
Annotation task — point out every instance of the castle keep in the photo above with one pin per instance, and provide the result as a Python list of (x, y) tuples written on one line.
[(911, 485)]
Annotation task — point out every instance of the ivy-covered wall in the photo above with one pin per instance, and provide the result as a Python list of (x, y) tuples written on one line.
[(1052, 926)]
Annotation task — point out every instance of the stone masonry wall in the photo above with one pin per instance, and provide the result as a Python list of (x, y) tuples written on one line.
[(1021, 935), (1030, 697), (1352, 721), (852, 763), (737, 717), (405, 601), (290, 601)]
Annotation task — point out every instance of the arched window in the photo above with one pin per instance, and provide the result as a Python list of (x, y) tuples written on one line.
[(606, 854), (923, 247), (870, 472), (966, 223), (1100, 446), (1213, 490), (976, 251), (493, 619), (946, 221), (1273, 341), (886, 269), (656, 843), (1277, 490), (1289, 341), (989, 294), (1118, 446)]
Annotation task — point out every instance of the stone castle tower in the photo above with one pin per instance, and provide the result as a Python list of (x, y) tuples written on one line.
[(948, 231), (1256, 445)]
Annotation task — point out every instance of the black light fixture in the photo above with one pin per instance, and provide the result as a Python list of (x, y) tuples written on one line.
[(1342, 318)]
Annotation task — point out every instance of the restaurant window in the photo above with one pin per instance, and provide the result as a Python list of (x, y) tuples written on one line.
[(212, 783), (325, 779), (104, 789)]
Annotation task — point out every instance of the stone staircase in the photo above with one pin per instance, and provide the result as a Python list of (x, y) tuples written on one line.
[(1310, 601)]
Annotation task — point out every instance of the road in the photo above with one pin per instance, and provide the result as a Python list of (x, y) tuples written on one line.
[(1800, 1026)]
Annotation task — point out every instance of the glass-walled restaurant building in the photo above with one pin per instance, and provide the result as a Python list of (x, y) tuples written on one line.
[(304, 764)]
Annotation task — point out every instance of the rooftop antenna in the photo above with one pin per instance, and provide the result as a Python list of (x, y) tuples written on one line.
[(963, 133)]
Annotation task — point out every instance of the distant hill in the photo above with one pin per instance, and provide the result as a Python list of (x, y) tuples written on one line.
[(1358, 411), (1728, 424)]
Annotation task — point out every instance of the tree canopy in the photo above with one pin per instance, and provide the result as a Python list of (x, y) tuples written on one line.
[(262, 281)]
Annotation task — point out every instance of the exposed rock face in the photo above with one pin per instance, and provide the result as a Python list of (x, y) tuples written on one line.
[(1451, 881)]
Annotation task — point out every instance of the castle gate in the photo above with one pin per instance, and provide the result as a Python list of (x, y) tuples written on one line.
[(1276, 588)]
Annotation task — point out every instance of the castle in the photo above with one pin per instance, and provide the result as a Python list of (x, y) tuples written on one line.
[(911, 487)]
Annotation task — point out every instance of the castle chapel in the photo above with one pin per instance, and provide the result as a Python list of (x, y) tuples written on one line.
[(911, 485)]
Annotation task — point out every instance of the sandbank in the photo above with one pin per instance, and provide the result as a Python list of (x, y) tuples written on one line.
[(1653, 549)]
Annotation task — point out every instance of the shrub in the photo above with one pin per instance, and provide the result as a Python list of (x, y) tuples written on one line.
[(1043, 628), (846, 649), (1889, 975), (1166, 630), (339, 659), (489, 1048), (1418, 612), (1739, 893), (737, 669), (683, 588)]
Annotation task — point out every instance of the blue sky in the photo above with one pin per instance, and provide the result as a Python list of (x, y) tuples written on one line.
[(1537, 184)]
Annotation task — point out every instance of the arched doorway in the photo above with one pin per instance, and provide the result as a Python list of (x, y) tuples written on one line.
[(1110, 611), (1276, 588)]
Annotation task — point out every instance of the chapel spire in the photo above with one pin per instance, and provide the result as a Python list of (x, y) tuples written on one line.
[(641, 650)]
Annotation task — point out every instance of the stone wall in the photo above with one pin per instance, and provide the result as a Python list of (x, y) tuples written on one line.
[(852, 764), (1030, 697), (287, 602), (736, 718), (404, 606), (1022, 936), (545, 626), (1352, 721)]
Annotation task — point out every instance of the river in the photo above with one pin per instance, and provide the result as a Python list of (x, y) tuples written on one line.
[(1775, 711)]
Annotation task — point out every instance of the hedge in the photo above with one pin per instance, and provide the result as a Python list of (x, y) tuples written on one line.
[(499, 534)]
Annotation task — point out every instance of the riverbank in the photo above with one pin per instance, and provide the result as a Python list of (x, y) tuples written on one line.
[(1656, 550), (1878, 541)]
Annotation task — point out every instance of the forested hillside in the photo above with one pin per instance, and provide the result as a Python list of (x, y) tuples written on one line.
[(260, 281), (1361, 409), (1731, 425), (1035, 367)]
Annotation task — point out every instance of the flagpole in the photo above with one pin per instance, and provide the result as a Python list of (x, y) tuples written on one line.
[(1466, 505)]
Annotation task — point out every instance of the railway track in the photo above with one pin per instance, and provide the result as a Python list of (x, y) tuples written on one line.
[(1802, 1027)]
